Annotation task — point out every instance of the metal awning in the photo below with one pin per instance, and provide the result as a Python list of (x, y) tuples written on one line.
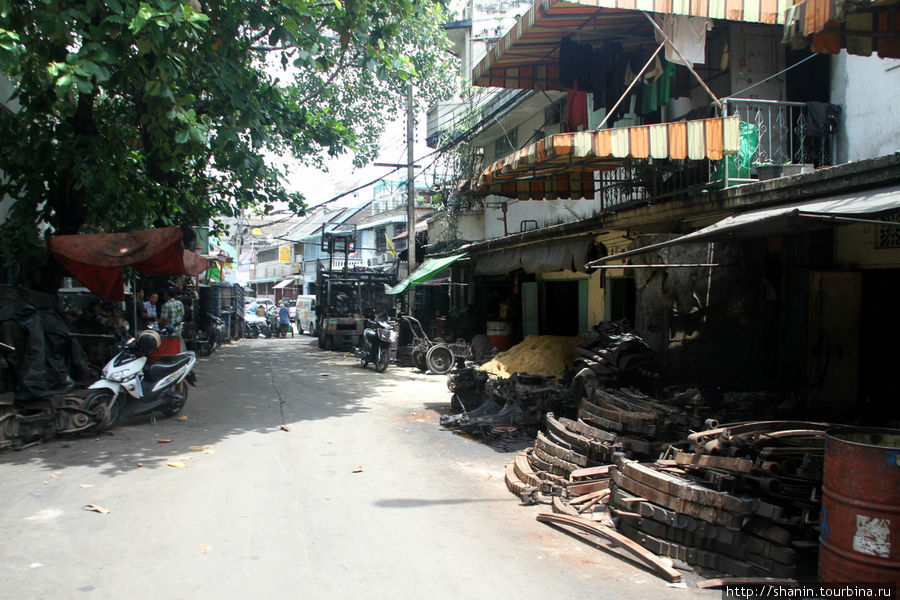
[(859, 26), (284, 283), (527, 56), (427, 270), (562, 165), (787, 219)]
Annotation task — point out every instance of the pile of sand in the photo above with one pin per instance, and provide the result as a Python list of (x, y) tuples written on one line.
[(546, 355)]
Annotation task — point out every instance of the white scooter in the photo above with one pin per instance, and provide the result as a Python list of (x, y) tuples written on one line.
[(132, 386)]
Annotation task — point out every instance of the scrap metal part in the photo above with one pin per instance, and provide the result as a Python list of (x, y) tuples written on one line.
[(649, 560)]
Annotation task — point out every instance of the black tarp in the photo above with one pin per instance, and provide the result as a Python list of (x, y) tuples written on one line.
[(47, 359)]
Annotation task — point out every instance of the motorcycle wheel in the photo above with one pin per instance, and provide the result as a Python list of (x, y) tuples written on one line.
[(177, 399), (382, 360), (363, 362), (212, 341), (101, 406)]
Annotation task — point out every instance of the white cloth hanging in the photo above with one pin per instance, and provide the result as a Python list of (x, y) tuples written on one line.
[(689, 36)]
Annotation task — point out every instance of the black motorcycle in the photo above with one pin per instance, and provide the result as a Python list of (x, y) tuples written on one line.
[(376, 345), (212, 336)]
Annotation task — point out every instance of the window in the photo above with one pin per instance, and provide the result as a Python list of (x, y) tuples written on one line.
[(381, 239), (505, 144), (267, 255), (555, 113)]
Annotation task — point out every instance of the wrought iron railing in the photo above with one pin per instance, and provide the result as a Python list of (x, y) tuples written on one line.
[(773, 133)]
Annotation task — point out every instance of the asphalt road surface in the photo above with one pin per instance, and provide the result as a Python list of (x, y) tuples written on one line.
[(291, 473)]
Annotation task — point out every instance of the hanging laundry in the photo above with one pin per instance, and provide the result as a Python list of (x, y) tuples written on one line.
[(575, 61), (576, 104), (607, 74), (689, 36)]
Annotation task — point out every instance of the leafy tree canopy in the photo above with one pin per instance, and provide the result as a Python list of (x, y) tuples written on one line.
[(138, 113)]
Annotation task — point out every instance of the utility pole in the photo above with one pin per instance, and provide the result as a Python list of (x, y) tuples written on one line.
[(410, 194)]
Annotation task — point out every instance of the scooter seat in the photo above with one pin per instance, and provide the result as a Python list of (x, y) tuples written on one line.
[(166, 364)]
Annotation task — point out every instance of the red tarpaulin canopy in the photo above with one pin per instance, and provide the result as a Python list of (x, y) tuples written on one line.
[(96, 259)]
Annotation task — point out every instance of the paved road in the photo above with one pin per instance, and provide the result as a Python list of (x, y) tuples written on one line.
[(360, 495)]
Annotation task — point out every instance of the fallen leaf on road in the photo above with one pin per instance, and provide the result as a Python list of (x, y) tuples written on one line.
[(284, 428), (86, 485), (163, 441), (204, 548), (35, 565), (324, 374), (199, 447), (177, 465), (358, 469), (140, 464), (53, 475), (46, 482), (95, 508), (181, 418)]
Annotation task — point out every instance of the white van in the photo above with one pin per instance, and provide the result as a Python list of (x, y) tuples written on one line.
[(306, 315)]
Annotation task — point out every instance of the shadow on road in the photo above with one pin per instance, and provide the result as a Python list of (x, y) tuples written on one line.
[(263, 386)]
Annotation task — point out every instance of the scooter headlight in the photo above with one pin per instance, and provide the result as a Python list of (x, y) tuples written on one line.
[(119, 375)]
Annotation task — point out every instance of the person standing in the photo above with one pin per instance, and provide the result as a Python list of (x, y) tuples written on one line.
[(172, 312), (148, 311), (284, 320)]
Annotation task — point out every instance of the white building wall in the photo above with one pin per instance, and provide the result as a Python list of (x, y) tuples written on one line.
[(545, 212), (866, 87)]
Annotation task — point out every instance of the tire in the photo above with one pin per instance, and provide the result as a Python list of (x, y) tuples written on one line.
[(440, 359), (329, 342), (213, 341), (382, 360), (106, 412), (177, 399), (363, 363), (299, 328), (321, 340), (419, 360)]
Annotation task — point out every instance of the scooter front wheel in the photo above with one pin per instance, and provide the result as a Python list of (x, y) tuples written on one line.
[(100, 403)]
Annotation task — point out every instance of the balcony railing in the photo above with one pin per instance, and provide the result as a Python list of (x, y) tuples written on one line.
[(772, 133)]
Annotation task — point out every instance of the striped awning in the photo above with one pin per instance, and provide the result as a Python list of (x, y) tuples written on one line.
[(562, 165), (858, 26), (527, 56)]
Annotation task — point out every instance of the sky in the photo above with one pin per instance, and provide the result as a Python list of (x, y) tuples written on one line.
[(319, 186)]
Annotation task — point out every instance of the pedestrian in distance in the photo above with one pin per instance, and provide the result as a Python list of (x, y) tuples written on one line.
[(284, 320)]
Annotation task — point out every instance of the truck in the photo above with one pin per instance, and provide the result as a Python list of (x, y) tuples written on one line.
[(345, 299)]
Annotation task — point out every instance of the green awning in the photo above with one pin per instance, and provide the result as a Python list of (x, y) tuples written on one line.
[(428, 269)]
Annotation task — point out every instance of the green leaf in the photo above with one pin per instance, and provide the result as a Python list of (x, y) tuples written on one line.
[(182, 136), (144, 14)]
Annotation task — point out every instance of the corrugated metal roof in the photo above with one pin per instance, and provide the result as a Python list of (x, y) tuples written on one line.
[(527, 56)]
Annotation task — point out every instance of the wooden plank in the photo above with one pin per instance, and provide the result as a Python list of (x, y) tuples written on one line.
[(646, 558)]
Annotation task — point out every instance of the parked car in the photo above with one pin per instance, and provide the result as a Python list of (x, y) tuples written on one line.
[(305, 315)]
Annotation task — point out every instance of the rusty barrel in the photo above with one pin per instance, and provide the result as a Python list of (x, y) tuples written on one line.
[(860, 533)]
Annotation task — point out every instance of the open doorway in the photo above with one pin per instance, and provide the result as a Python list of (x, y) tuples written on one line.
[(620, 299), (561, 310)]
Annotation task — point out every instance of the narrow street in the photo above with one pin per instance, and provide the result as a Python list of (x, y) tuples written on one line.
[(304, 476)]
